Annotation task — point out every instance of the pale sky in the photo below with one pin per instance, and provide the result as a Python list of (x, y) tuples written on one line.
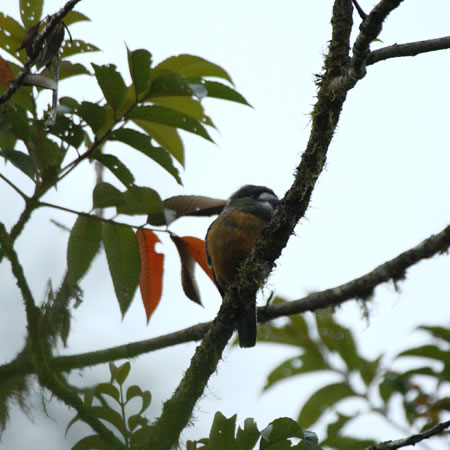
[(386, 187)]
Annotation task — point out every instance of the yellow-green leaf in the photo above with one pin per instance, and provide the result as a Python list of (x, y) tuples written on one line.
[(84, 243), (122, 254)]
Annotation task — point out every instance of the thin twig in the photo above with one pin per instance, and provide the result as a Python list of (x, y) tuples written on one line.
[(92, 216), (21, 193), (361, 12), (411, 440), (409, 49)]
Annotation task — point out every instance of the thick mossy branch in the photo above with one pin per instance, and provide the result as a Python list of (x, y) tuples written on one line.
[(370, 29), (325, 117), (178, 409), (40, 350), (32, 311)]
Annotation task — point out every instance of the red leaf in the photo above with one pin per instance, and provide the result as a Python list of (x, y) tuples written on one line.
[(196, 247), (152, 268), (6, 74)]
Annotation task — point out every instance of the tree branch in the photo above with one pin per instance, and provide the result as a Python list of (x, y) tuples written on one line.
[(86, 214), (362, 288), (31, 203), (32, 312), (409, 49), (37, 44), (41, 352), (411, 440), (370, 29), (12, 185)]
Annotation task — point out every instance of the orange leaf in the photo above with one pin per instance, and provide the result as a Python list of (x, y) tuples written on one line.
[(6, 74), (152, 268), (196, 247)]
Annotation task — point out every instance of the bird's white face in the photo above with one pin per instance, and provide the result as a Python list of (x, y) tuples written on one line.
[(267, 200)]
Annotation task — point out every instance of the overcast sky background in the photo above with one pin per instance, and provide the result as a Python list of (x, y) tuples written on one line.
[(386, 187)]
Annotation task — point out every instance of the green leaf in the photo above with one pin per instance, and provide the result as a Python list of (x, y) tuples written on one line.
[(132, 392), (368, 369), (93, 441), (75, 47), (191, 66), (7, 140), (308, 362), (113, 371), (108, 389), (428, 371), (221, 435), (167, 137), (68, 131), (111, 83), (278, 431), (247, 437), (16, 123), (295, 332), (110, 415), (46, 153), (30, 12), (170, 117), (334, 428), (136, 420), (141, 200), (74, 16), (69, 103), (68, 69), (122, 372), (438, 332), (428, 351), (172, 84), (116, 166), (89, 396), (146, 400), (224, 92), (142, 143), (11, 36), (23, 97), (84, 243), (93, 114), (322, 400), (337, 338), (69, 425), (139, 63), (105, 195), (20, 160), (122, 253), (185, 105), (390, 384)]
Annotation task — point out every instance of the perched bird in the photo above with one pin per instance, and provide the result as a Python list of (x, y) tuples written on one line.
[(231, 237)]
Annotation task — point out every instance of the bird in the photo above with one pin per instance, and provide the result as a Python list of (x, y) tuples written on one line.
[(230, 239)]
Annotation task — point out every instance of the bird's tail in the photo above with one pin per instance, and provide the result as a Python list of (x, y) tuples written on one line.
[(246, 327)]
